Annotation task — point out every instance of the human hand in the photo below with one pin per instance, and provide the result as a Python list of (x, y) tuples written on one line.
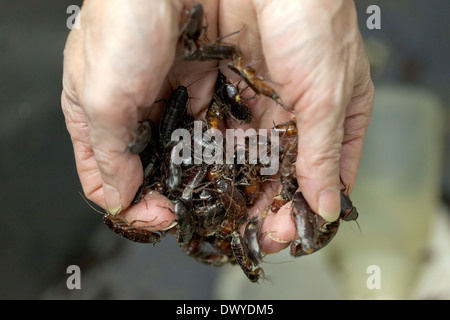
[(114, 68), (314, 54), (323, 74)]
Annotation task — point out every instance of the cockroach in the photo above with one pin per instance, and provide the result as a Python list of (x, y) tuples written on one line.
[(232, 199), (141, 138), (214, 115), (251, 244), (172, 114), (192, 29), (213, 51), (229, 96), (287, 129), (256, 83), (127, 231), (306, 222), (242, 259), (325, 233)]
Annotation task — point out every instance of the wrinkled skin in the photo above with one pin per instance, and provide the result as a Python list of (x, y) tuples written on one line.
[(126, 56)]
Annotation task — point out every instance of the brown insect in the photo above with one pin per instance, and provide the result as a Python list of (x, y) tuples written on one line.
[(141, 138), (251, 183), (214, 115), (251, 241), (231, 100), (313, 238), (243, 260), (192, 29), (286, 129), (288, 176), (211, 201), (195, 50), (172, 115), (255, 82), (214, 51), (126, 230)]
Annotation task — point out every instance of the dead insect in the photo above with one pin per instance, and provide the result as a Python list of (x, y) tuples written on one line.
[(287, 129), (251, 184), (257, 83), (214, 115), (172, 114), (209, 218), (194, 50), (232, 200), (243, 260), (210, 250), (230, 97), (185, 229), (141, 138), (277, 203), (251, 243), (306, 222), (316, 238), (213, 51), (171, 171), (126, 230), (288, 176), (192, 29), (348, 211)]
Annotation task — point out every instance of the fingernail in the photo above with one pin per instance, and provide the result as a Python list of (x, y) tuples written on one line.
[(170, 226), (330, 204), (112, 199), (271, 236)]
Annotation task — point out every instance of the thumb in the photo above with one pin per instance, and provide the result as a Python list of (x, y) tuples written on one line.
[(126, 63), (121, 171), (320, 136)]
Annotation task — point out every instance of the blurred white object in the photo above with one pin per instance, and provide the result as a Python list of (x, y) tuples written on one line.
[(397, 195), (435, 279)]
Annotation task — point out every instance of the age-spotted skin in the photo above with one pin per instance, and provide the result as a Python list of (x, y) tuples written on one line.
[(211, 201)]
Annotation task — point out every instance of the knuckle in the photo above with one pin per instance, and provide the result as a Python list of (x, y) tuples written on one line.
[(106, 161)]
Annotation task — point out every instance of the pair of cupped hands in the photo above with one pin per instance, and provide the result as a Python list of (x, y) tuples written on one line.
[(126, 53)]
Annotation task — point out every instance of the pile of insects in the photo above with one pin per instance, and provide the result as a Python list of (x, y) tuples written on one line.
[(211, 199)]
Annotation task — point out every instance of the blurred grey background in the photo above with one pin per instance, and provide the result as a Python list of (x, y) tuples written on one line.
[(47, 226)]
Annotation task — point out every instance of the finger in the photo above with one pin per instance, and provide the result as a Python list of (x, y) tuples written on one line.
[(87, 168), (355, 126), (320, 136), (316, 71), (278, 230), (126, 62), (154, 212)]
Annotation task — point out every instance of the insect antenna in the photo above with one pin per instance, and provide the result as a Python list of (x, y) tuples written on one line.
[(90, 205)]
